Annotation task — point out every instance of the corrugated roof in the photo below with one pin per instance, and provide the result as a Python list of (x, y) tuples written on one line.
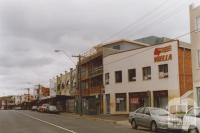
[(125, 40)]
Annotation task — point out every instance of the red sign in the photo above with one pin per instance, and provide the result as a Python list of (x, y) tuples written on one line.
[(162, 54), (134, 100)]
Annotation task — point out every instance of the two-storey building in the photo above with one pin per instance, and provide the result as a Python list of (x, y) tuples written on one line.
[(91, 67), (147, 76)]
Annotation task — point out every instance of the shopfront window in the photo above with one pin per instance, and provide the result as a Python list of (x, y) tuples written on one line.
[(132, 74), (118, 76), (146, 73), (163, 71), (120, 102), (138, 99), (198, 96), (107, 78), (160, 99)]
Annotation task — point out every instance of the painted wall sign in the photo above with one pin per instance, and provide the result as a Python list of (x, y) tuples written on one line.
[(163, 54)]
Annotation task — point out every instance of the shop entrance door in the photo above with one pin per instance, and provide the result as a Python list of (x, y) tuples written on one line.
[(138, 99), (160, 99), (198, 96), (108, 103)]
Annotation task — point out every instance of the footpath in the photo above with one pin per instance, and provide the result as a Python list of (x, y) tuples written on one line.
[(115, 119)]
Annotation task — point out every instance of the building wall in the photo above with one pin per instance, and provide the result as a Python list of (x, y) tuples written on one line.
[(185, 70), (65, 83), (52, 86), (195, 40), (124, 46), (18, 100), (138, 59)]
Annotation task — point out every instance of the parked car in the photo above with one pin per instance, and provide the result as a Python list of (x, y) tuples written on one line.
[(43, 108), (34, 108), (39, 108), (52, 109), (191, 121), (154, 118)]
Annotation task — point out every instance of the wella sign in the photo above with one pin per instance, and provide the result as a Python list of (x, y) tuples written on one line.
[(163, 54)]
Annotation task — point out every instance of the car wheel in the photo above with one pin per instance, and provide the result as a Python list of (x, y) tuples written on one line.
[(134, 124), (153, 126), (193, 130)]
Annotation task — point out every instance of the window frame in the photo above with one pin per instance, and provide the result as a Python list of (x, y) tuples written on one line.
[(164, 69), (116, 80), (130, 79), (145, 74), (107, 78)]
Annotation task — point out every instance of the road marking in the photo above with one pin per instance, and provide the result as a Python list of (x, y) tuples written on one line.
[(49, 123)]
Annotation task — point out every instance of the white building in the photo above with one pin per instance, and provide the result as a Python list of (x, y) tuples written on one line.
[(195, 40), (52, 87), (18, 99), (149, 76)]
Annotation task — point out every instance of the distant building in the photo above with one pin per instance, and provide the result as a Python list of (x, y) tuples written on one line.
[(25, 98), (147, 76), (7, 102), (63, 89), (195, 40), (65, 84), (41, 92), (18, 99), (52, 86)]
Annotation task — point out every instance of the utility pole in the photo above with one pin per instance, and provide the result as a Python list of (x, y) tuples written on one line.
[(28, 98), (28, 94), (79, 84), (38, 95)]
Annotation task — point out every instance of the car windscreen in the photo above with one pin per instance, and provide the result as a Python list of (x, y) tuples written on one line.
[(159, 112)]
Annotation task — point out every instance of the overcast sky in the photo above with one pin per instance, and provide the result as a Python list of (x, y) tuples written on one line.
[(30, 31)]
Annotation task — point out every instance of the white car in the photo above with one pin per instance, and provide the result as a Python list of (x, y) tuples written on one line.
[(154, 118), (191, 121)]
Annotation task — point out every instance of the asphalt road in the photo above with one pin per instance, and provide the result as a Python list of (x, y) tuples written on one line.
[(34, 122)]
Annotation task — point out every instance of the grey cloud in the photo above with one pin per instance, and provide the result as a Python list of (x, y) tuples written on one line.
[(11, 62), (31, 30)]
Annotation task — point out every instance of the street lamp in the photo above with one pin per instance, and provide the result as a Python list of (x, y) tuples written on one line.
[(62, 51)]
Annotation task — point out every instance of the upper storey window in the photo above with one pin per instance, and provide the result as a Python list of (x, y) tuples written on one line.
[(118, 47)]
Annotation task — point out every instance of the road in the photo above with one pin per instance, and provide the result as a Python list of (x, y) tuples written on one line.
[(34, 122)]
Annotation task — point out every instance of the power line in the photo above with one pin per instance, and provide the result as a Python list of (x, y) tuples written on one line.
[(135, 22), (131, 24), (148, 16), (160, 19), (167, 16), (185, 34)]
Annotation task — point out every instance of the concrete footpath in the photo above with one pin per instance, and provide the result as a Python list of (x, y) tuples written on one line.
[(115, 119)]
